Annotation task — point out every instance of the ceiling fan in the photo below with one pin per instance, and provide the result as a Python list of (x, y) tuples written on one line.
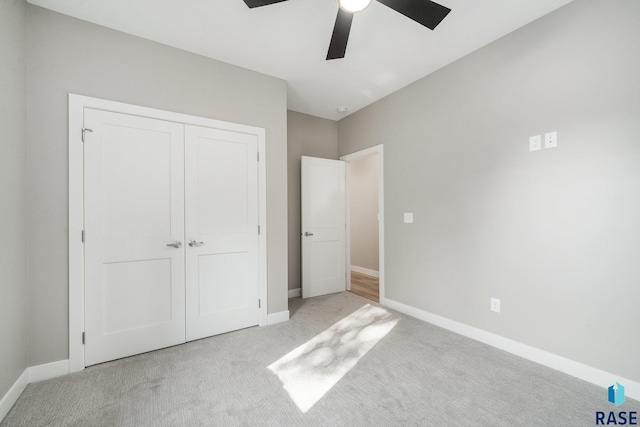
[(424, 12)]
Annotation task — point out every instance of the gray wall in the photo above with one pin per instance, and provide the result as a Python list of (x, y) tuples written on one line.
[(555, 233), (13, 181), (69, 55), (363, 212), (307, 136)]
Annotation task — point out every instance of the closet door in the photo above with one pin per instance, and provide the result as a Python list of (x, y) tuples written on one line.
[(134, 231), (221, 205)]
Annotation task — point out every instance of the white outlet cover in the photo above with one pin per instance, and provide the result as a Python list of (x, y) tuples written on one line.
[(551, 140), (408, 218), (495, 305), (535, 143)]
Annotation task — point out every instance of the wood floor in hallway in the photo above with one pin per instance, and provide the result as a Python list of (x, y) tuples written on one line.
[(365, 286)]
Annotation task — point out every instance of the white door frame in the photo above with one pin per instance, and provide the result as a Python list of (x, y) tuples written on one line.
[(77, 104), (377, 149)]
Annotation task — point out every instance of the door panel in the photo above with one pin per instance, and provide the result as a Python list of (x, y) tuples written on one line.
[(223, 186), (143, 190), (222, 268), (136, 294), (222, 218), (323, 226), (134, 207)]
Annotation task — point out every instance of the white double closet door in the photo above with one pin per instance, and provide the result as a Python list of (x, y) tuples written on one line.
[(171, 233)]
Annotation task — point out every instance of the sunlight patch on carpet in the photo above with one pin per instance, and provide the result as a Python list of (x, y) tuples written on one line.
[(308, 372)]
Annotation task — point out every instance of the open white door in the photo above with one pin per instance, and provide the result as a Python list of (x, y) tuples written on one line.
[(134, 227), (221, 204), (323, 226)]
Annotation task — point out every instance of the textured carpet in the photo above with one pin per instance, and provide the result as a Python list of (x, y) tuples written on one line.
[(415, 375)]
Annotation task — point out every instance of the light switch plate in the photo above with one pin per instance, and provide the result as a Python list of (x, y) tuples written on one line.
[(551, 140), (535, 143), (408, 218)]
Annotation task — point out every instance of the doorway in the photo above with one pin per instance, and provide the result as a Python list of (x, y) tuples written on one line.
[(365, 223)]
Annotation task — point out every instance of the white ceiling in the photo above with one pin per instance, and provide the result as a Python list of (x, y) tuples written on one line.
[(289, 40)]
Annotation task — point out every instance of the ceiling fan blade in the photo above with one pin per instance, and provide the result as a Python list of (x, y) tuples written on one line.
[(258, 3), (424, 12), (340, 35)]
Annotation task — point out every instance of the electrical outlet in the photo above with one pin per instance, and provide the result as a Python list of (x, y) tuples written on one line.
[(495, 305), (535, 143), (551, 140), (408, 218)]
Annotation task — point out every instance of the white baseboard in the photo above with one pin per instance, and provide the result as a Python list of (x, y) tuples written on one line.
[(294, 293), (7, 402), (31, 375), (281, 316), (366, 271), (48, 371), (562, 364)]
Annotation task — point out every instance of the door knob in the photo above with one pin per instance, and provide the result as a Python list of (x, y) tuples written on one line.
[(307, 234), (177, 244), (195, 244)]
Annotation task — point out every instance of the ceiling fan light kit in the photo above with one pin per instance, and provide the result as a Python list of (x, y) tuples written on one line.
[(354, 5), (424, 12)]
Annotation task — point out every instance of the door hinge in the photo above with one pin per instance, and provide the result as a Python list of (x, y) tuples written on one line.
[(82, 236), (259, 303), (85, 130), (83, 338), (258, 156), (258, 230)]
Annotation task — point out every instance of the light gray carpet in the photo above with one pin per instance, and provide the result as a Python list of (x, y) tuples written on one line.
[(417, 375)]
